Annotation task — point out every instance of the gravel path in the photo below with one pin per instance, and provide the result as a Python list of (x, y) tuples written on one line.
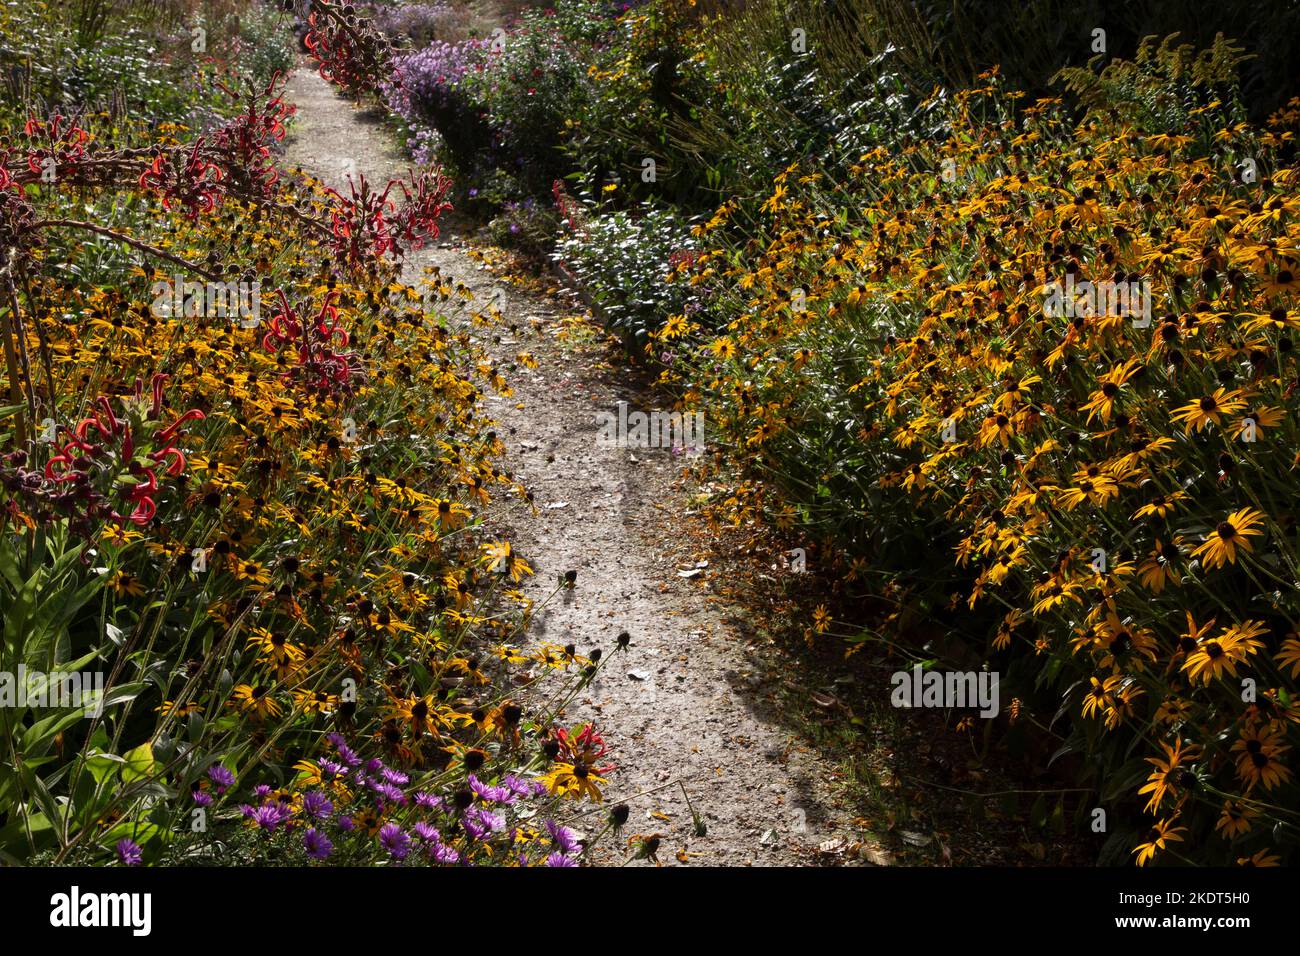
[(675, 707)]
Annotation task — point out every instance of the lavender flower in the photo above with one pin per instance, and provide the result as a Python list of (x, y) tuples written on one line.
[(269, 816), (129, 853), (427, 832), (316, 805), (564, 838), (497, 794), (222, 777), (395, 841), (429, 801), (441, 853), (317, 844), (390, 793)]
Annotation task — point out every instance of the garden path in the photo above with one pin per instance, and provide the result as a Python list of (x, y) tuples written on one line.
[(678, 709)]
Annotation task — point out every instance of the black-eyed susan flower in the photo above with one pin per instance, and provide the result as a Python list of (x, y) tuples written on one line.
[(1229, 537)]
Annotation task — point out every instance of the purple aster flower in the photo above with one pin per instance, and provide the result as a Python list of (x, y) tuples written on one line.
[(374, 765), (429, 801), (317, 844), (490, 793), (441, 853), (346, 824), (222, 777), (332, 769), (395, 841), (129, 853), (316, 805), (270, 816), (564, 838), (559, 859), (261, 791), (474, 828), (396, 776), (203, 798), (427, 832), (390, 793), (347, 756), (516, 785), (480, 823)]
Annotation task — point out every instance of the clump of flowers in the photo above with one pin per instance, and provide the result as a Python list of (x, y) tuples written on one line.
[(1110, 482)]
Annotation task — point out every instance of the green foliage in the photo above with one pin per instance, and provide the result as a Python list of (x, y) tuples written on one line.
[(622, 261), (1166, 88)]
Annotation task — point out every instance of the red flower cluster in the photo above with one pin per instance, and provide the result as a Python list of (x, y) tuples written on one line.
[(425, 201), (54, 146), (359, 226), (351, 52), (587, 748), (245, 141), (319, 365), (112, 441), (192, 182), (368, 224), (569, 211), (683, 258)]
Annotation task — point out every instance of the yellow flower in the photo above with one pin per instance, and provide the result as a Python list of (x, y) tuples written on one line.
[(1166, 778), (1161, 833), (1215, 658), (1235, 532), (1196, 415), (573, 782)]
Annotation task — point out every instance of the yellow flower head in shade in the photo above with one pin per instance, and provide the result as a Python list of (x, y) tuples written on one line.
[(1170, 775), (1158, 837), (1229, 538), (1220, 656), (1258, 755)]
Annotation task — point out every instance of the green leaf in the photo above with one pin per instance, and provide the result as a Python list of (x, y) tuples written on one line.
[(139, 763)]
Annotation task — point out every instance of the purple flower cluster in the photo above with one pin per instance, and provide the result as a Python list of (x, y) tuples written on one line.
[(425, 83), (416, 824), (420, 23)]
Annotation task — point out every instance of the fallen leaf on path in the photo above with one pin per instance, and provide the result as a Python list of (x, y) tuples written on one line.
[(876, 856)]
